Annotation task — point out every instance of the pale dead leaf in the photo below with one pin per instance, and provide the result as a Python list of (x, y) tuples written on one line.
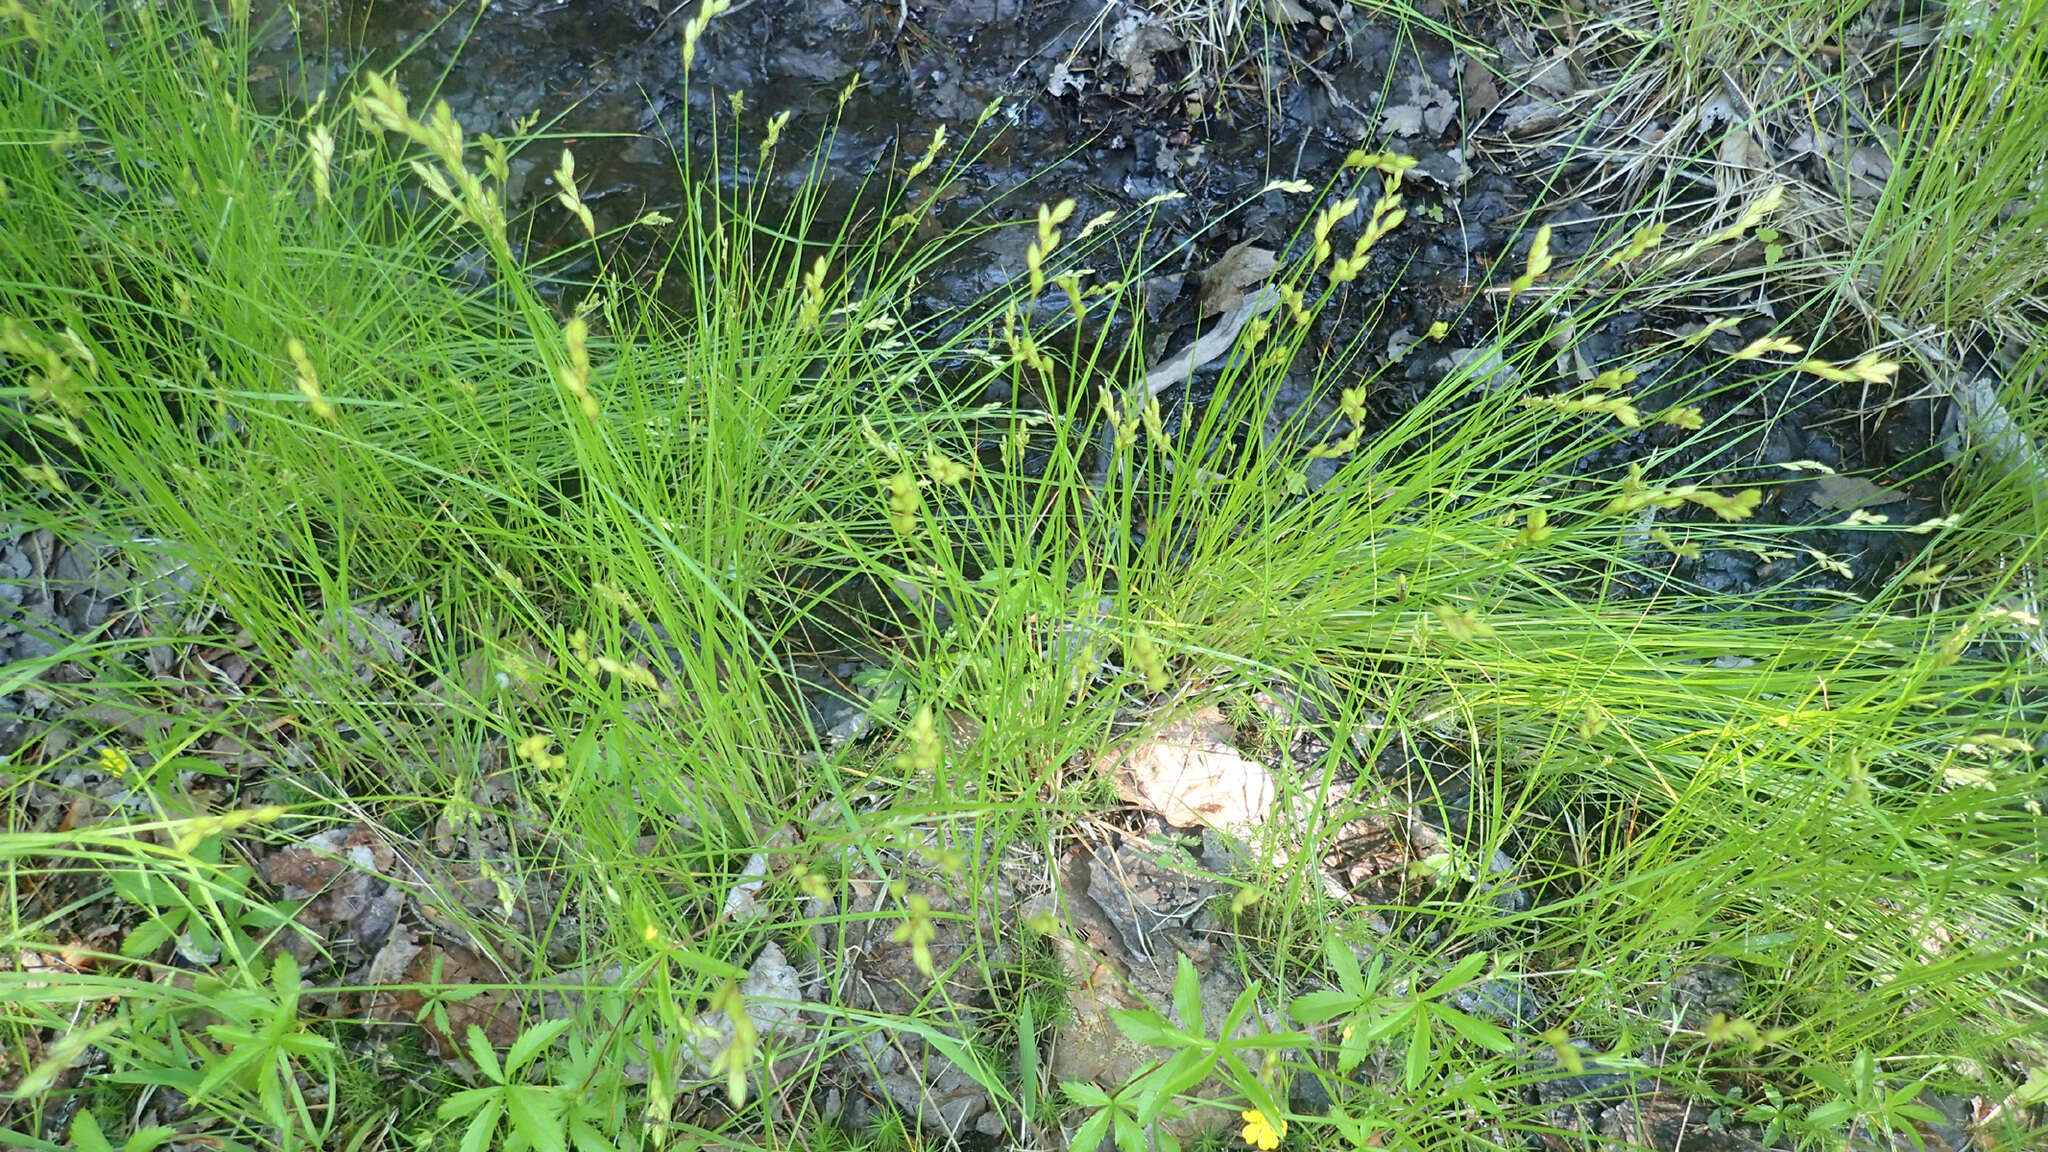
[(1401, 119), (1869, 168), (1425, 106), (1288, 12), (1555, 77), (1134, 42), (743, 901), (1481, 94), (1741, 157), (1191, 775), (1532, 115), (1064, 80), (771, 993), (1846, 492), (389, 965), (1224, 282)]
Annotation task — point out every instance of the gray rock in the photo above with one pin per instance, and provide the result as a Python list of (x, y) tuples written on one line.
[(1699, 992), (1505, 1002)]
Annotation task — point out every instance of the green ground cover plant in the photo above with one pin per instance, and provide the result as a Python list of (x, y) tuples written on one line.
[(530, 564)]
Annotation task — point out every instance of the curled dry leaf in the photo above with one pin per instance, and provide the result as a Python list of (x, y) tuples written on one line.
[(1191, 774), (1224, 282)]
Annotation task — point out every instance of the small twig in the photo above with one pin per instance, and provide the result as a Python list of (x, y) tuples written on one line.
[(1181, 367)]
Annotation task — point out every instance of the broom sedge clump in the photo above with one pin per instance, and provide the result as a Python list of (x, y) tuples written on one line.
[(532, 579)]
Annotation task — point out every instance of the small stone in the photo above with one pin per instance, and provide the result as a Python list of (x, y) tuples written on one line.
[(1699, 992)]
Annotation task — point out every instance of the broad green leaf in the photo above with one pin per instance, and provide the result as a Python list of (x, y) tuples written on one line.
[(1147, 1027), (482, 1126), (1187, 997), (2035, 1089), (1344, 963), (486, 1057), (1417, 1065), (536, 1113), (1316, 1007), (533, 1042), (1092, 1131), (1472, 1028), (1027, 1055), (968, 1059), (1085, 1094), (1460, 975)]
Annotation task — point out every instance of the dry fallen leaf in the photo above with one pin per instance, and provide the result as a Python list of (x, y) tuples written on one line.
[(1847, 492), (1133, 43), (1427, 106), (1190, 774), (1224, 282), (1480, 93), (444, 966)]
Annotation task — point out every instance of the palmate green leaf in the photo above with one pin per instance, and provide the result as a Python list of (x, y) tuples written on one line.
[(270, 1091), (1831, 1080), (584, 1138), (86, 1135), (1830, 1114), (145, 938), (1093, 1129), (1187, 1068), (1374, 1028), (1353, 1046), (1249, 1083), (284, 975), (1915, 1110), (464, 1102), (149, 1139), (536, 1114), (146, 888), (482, 1126), (1130, 1136)]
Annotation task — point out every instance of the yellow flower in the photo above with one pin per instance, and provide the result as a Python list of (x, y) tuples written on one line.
[(1262, 1133), (115, 762)]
